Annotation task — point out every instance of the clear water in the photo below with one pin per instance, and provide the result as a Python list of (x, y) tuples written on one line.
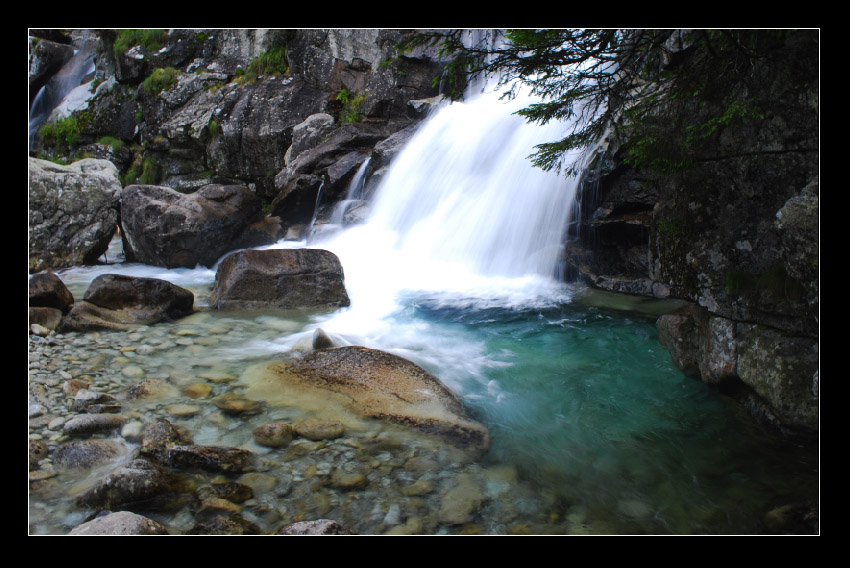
[(594, 430)]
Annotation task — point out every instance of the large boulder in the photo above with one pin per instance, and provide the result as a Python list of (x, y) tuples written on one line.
[(372, 384), (279, 278), (165, 228), (73, 212), (115, 301)]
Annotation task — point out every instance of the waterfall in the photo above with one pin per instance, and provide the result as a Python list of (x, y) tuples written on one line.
[(61, 86), (462, 219)]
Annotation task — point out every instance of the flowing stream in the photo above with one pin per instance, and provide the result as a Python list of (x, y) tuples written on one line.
[(594, 430)]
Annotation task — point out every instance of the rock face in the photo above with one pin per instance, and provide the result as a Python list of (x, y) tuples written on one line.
[(279, 278), (378, 385), (115, 301), (734, 231), (73, 212), (165, 228)]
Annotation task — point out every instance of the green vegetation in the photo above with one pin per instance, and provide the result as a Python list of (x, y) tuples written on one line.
[(202, 36), (665, 94), (272, 62), (152, 40), (60, 136), (350, 111), (144, 171), (112, 142), (161, 80), (214, 129)]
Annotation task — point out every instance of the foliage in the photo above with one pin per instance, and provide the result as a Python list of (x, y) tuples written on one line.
[(665, 93), (61, 135), (161, 80), (214, 129), (275, 61), (350, 111), (112, 142), (152, 40)]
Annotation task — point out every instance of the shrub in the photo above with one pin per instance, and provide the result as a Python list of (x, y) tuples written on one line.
[(152, 40), (62, 135), (161, 80), (112, 142), (350, 105)]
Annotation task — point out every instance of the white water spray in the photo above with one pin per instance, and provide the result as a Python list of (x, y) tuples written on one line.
[(462, 219)]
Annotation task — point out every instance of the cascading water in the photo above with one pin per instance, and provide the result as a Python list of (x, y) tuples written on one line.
[(61, 86)]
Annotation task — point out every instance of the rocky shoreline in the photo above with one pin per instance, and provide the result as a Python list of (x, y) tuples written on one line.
[(373, 477)]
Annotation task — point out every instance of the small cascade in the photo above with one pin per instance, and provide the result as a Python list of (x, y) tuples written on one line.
[(60, 86), (353, 195)]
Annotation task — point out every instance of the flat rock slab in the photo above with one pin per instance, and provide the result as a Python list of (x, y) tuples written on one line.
[(279, 278), (373, 384)]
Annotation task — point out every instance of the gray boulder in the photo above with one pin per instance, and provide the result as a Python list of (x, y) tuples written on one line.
[(73, 212), (279, 278), (115, 301), (165, 228), (120, 523)]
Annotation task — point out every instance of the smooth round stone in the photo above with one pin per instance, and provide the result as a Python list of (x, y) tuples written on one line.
[(234, 404), (319, 429), (345, 480), (86, 424), (132, 431), (133, 372), (274, 434), (198, 390), (259, 482), (182, 409)]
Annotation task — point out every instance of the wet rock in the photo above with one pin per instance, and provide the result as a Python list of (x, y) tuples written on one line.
[(279, 278), (85, 454), (274, 434), (223, 525), (461, 504), (37, 452), (319, 429), (46, 290), (346, 481), (120, 523), (373, 384), (47, 319), (218, 459), (88, 424), (160, 434), (73, 212), (319, 527), (115, 301), (198, 390), (139, 482), (151, 389), (165, 228), (235, 404), (94, 402), (229, 490)]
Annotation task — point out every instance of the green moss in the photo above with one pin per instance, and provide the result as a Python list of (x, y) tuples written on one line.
[(112, 142), (61, 135), (150, 39), (161, 80), (350, 111), (214, 129), (151, 173)]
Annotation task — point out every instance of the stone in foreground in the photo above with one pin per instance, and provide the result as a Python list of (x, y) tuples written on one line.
[(115, 301), (279, 278), (373, 384)]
